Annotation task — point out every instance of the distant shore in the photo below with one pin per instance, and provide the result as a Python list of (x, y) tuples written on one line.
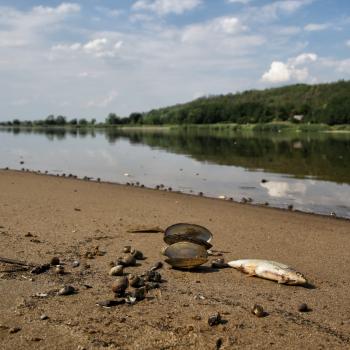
[(44, 216), (280, 127)]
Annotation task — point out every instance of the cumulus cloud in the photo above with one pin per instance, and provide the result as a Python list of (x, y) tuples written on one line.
[(63, 9), (221, 25), (273, 10), (313, 27), (22, 28), (165, 7), (281, 72), (99, 47)]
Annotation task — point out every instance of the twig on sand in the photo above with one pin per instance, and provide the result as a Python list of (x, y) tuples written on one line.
[(153, 229), (16, 262)]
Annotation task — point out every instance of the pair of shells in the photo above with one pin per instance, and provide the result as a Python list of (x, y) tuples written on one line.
[(188, 245)]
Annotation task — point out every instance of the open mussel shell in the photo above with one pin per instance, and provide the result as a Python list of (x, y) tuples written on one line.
[(190, 232), (186, 255)]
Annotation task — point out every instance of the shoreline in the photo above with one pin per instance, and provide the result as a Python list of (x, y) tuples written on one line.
[(46, 216), (270, 127), (226, 199)]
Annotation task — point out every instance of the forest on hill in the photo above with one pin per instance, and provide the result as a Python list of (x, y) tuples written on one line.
[(300, 103), (322, 103)]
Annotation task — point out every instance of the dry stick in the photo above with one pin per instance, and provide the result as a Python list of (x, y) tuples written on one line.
[(16, 262)]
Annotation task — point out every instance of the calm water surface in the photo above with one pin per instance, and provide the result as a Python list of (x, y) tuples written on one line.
[(309, 171)]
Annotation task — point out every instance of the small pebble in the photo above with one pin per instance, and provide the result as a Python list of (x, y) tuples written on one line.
[(128, 260), (218, 343), (75, 263), (120, 284), (66, 290), (14, 330), (127, 249), (59, 270), (214, 320), (258, 310), (303, 308), (153, 276), (55, 261), (116, 270), (137, 254), (139, 293), (156, 266), (44, 317), (152, 285), (109, 303)]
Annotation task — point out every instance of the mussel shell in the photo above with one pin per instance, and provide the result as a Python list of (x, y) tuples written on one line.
[(186, 255), (190, 231), (184, 238)]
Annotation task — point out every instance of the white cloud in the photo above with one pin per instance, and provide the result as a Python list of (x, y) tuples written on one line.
[(165, 7), (26, 28), (313, 27), (341, 66), (63, 9), (281, 72), (244, 2), (99, 47), (217, 26), (278, 72), (279, 189), (303, 58), (348, 43), (273, 10)]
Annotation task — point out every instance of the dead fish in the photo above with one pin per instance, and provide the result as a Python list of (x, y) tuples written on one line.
[(270, 270)]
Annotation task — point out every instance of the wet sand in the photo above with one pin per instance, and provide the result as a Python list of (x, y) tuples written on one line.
[(68, 218)]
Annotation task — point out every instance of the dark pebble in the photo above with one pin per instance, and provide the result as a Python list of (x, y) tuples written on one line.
[(55, 261), (14, 330), (40, 269), (137, 254), (218, 343), (139, 293), (152, 276), (152, 285), (109, 303), (303, 308), (156, 266), (214, 320)]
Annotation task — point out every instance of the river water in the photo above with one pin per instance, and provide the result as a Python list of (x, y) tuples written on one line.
[(309, 171)]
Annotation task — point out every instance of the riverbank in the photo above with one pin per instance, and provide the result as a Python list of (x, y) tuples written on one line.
[(69, 217), (274, 127)]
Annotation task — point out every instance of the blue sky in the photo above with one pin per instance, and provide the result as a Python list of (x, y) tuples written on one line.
[(89, 58)]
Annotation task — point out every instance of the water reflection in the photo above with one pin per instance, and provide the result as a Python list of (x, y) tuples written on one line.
[(310, 171), (320, 156)]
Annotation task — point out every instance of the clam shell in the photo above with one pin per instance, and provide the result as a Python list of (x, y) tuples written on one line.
[(186, 255), (187, 231)]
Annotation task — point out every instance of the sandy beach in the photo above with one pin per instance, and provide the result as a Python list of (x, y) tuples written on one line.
[(46, 216)]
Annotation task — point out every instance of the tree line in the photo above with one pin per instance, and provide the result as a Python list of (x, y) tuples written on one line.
[(299, 103)]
